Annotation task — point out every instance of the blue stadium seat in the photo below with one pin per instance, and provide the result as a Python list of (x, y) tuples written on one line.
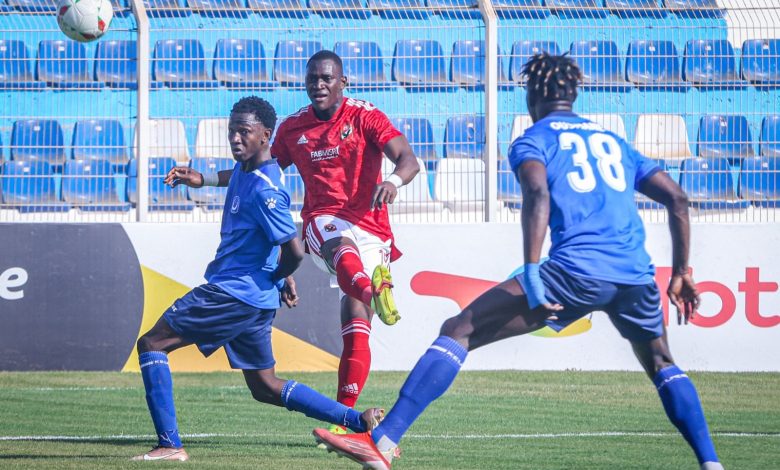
[(635, 8), (455, 9), (38, 140), (294, 184), (219, 8), (599, 63), (509, 191), (290, 60), (759, 181), (419, 133), (708, 184), (464, 137), (725, 137), (63, 64), (100, 139), (710, 62), (209, 197), (520, 9), (694, 8), (362, 64), (89, 185), (653, 64), (399, 9), (770, 136), (761, 61), (116, 64), (180, 63), (467, 67), (241, 63), (161, 196), (419, 65), (524, 50), (15, 70), (33, 6), (279, 8), (353, 9), (165, 8), (5, 8), (29, 186), (577, 8)]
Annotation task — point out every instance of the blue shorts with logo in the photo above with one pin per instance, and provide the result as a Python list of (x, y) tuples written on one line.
[(634, 310), (212, 318)]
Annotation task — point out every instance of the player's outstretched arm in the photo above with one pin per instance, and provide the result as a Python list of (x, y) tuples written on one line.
[(192, 178), (535, 217), (406, 168), (682, 289)]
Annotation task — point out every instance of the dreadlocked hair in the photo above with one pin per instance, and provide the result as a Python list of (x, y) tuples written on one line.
[(552, 77), (261, 109)]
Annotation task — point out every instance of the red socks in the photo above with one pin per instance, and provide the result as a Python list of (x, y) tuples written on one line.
[(355, 361), (349, 272)]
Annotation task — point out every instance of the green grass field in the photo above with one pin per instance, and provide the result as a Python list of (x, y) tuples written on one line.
[(487, 420)]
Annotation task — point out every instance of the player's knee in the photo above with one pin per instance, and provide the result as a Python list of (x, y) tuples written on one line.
[(144, 344), (456, 328), (267, 390)]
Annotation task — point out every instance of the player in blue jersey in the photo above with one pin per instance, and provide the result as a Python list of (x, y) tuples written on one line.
[(580, 180), (251, 272)]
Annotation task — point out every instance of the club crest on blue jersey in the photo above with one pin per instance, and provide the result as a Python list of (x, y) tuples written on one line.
[(234, 205)]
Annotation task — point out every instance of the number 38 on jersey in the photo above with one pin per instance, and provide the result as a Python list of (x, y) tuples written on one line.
[(608, 154)]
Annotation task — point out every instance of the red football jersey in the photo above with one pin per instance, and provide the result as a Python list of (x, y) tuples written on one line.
[(340, 162)]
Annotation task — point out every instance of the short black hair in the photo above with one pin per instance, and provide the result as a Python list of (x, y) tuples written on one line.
[(551, 78), (261, 108), (326, 55)]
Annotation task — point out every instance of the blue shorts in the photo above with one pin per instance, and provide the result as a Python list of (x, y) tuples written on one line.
[(634, 310), (212, 318)]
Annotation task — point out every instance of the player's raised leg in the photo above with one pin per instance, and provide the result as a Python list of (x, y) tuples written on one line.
[(153, 348), (679, 398), (266, 387), (499, 313)]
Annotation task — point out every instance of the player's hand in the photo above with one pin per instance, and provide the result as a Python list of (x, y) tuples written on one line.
[(549, 310), (682, 292), (289, 293), (384, 193), (183, 175)]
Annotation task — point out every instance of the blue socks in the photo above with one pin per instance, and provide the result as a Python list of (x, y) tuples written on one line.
[(684, 410), (431, 377), (299, 397), (159, 397)]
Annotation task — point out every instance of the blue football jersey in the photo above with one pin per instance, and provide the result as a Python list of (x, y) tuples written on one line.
[(595, 228), (255, 221)]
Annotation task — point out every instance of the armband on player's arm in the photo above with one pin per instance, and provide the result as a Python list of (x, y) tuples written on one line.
[(533, 285), (395, 180), (210, 178)]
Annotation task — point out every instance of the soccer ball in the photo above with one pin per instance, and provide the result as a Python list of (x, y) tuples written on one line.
[(84, 20)]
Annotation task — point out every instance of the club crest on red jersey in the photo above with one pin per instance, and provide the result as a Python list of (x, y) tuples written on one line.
[(330, 228), (346, 131)]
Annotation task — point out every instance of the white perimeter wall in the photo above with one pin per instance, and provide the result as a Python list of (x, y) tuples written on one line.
[(721, 256)]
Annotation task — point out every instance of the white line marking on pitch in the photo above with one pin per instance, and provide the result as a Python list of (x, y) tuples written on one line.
[(413, 436)]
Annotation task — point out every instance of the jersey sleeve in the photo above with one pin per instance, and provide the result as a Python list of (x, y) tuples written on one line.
[(525, 148), (279, 149), (378, 129), (274, 216), (645, 167)]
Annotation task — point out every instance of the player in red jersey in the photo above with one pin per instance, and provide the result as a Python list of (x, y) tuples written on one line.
[(337, 145)]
